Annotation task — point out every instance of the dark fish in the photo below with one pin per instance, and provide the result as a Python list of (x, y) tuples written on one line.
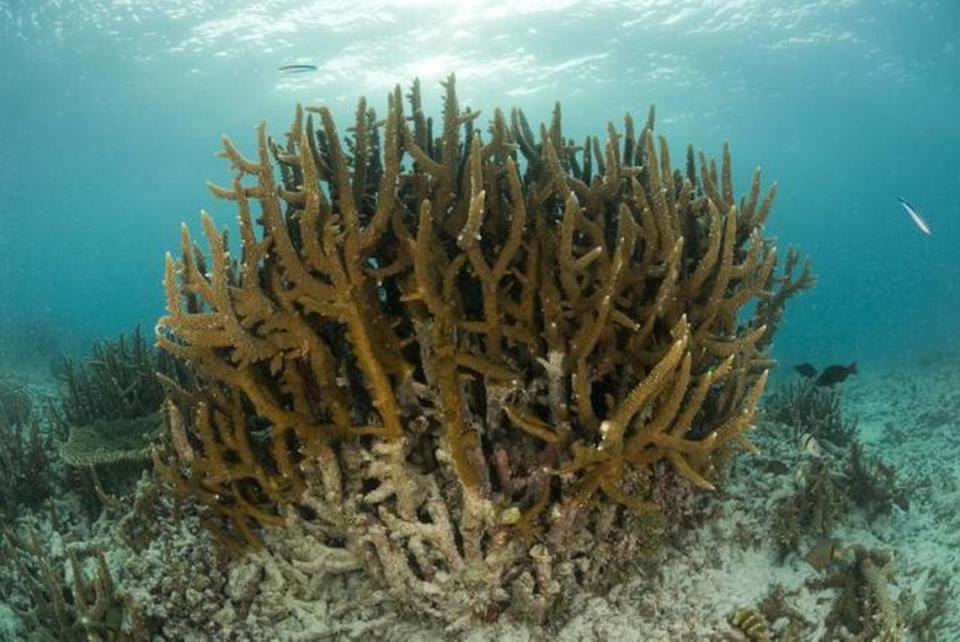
[(297, 69), (835, 374), (806, 370)]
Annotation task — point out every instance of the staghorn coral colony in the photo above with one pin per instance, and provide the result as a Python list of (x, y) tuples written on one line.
[(478, 362)]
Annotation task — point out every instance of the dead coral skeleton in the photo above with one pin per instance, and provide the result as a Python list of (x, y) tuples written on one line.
[(472, 348)]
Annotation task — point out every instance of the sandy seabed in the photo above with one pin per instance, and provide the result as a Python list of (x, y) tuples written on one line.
[(909, 417)]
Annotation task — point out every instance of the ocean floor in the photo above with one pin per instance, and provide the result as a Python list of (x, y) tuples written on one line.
[(895, 552)]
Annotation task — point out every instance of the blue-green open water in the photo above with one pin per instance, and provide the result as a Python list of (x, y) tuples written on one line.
[(110, 114)]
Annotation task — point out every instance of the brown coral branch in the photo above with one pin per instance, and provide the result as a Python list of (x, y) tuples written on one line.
[(476, 334)]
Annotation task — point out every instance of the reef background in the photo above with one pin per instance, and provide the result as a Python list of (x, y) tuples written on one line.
[(110, 116)]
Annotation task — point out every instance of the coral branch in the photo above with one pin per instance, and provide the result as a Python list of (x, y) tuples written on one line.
[(489, 342)]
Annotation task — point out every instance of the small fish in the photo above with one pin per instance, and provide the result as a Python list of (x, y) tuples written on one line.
[(917, 219), (810, 445), (751, 623), (832, 375), (297, 69), (806, 370), (824, 554)]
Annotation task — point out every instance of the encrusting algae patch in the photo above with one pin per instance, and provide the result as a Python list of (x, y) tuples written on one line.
[(476, 361)]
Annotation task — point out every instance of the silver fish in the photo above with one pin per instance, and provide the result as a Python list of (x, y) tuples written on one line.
[(917, 219), (810, 445)]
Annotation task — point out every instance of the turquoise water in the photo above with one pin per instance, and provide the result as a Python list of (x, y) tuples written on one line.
[(110, 113)]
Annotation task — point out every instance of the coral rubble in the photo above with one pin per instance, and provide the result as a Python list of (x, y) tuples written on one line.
[(463, 357)]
